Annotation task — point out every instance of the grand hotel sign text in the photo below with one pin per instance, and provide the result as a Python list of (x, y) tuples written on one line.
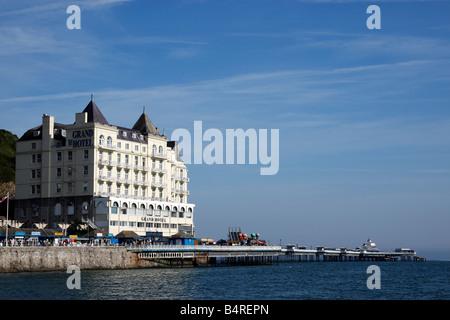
[(82, 138)]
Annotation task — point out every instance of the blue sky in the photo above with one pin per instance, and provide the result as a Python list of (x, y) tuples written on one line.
[(363, 114)]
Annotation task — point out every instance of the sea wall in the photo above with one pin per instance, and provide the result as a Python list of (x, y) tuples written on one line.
[(28, 259)]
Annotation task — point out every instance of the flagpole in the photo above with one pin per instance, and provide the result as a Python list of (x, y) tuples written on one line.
[(7, 217)]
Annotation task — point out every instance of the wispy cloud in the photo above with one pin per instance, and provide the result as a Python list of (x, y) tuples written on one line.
[(29, 7)]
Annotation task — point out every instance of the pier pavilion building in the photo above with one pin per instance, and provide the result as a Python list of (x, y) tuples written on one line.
[(109, 177)]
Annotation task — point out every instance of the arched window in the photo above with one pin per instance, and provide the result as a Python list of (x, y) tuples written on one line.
[(174, 212), (150, 210), (58, 209), (158, 211), (109, 142), (101, 140), (85, 208), (114, 208), (154, 149), (124, 208), (181, 213), (166, 211), (160, 149), (71, 209)]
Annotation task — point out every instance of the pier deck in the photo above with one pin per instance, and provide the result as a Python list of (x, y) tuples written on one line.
[(231, 255)]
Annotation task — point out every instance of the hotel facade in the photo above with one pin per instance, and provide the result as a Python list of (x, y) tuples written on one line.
[(110, 177)]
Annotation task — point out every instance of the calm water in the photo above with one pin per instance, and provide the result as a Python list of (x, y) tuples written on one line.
[(285, 281)]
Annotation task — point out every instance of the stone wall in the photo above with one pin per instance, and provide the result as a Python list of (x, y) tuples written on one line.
[(27, 259)]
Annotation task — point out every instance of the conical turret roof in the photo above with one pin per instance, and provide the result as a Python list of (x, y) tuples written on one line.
[(94, 113), (145, 125)]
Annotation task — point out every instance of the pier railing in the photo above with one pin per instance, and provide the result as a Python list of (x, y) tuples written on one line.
[(204, 248)]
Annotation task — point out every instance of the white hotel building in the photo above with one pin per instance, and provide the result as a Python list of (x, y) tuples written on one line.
[(112, 177)]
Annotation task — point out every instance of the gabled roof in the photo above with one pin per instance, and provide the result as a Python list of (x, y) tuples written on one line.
[(145, 125), (94, 113)]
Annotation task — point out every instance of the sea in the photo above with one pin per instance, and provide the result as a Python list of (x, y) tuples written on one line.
[(256, 284)]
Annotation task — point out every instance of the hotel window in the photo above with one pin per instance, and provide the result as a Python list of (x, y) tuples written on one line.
[(58, 172), (144, 149), (109, 142), (136, 191), (119, 144), (70, 156), (127, 159), (86, 154), (109, 172), (113, 223), (86, 170), (85, 186), (114, 208), (118, 159), (108, 187), (136, 148), (144, 191), (143, 176), (100, 187), (33, 174), (132, 224), (100, 171), (39, 158), (154, 149), (143, 162), (69, 172), (126, 190), (100, 155), (119, 171), (160, 194), (59, 156), (123, 223), (33, 145), (69, 187), (160, 149), (127, 146), (141, 224), (136, 161), (33, 158), (118, 189), (126, 174), (101, 141), (110, 157), (124, 208), (136, 176)]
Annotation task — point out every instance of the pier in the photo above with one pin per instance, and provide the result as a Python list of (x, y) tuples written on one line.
[(216, 255), (343, 254), (209, 255)]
